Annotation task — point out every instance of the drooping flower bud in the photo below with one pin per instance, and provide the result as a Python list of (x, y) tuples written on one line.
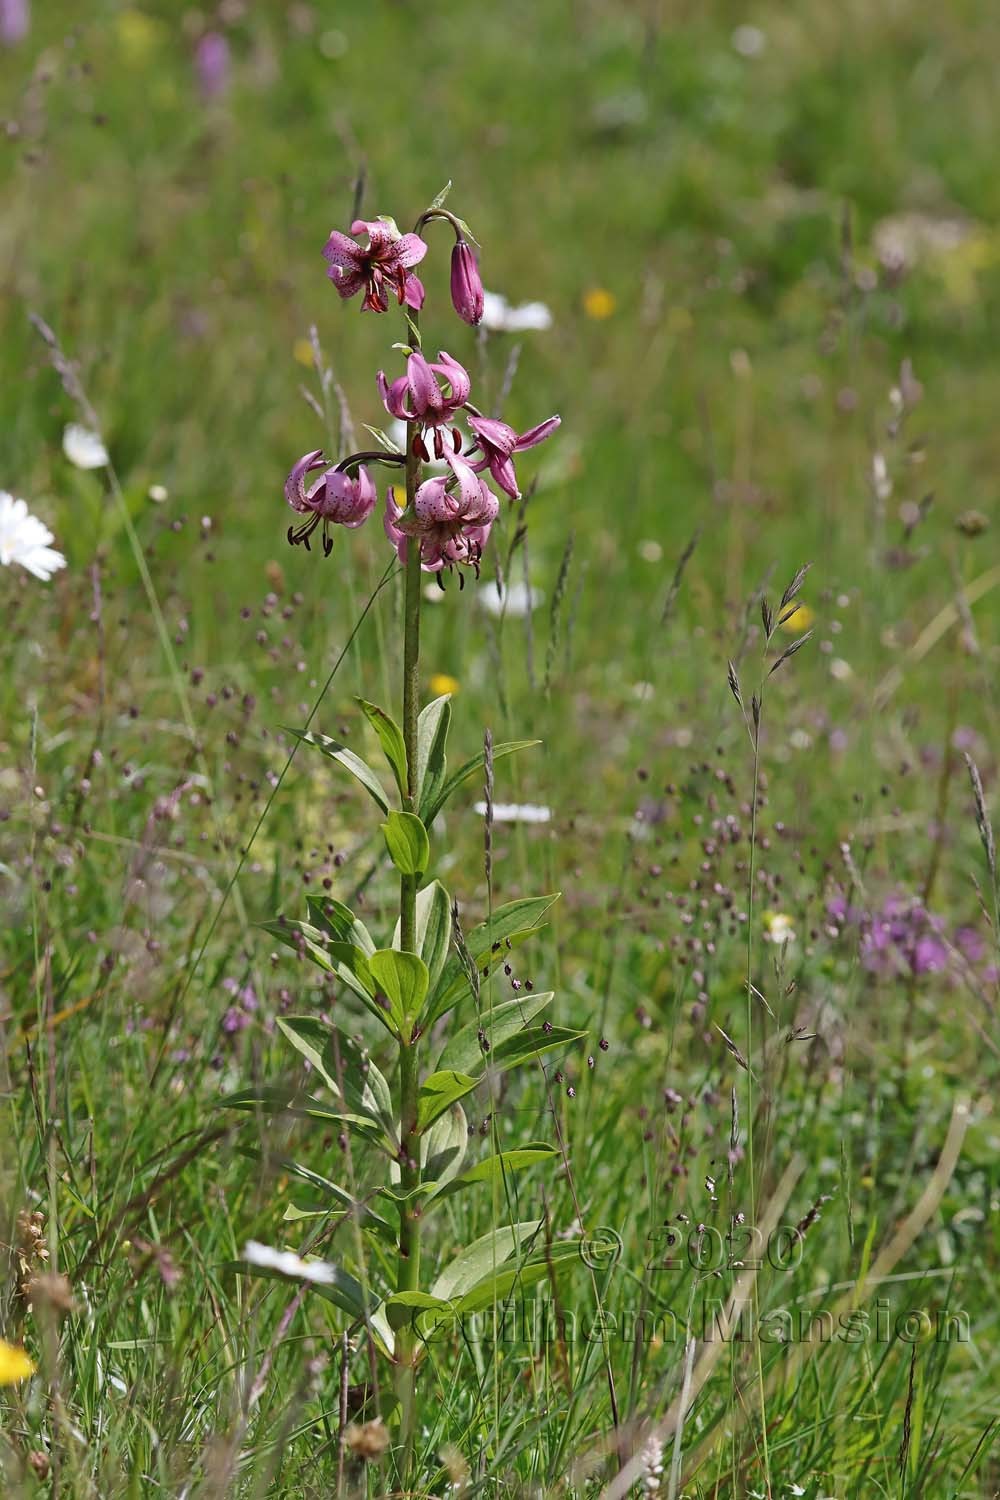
[(466, 283)]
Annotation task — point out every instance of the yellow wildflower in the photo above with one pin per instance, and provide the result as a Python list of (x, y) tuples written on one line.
[(302, 349), (800, 619), (599, 303), (14, 1364), (442, 683)]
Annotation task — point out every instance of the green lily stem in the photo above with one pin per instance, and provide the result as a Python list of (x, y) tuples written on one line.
[(408, 1264)]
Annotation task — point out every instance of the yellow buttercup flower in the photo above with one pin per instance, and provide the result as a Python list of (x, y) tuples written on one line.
[(302, 349), (138, 34), (442, 683), (800, 619), (14, 1364), (599, 303)]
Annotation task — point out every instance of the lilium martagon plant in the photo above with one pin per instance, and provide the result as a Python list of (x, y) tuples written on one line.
[(427, 1029)]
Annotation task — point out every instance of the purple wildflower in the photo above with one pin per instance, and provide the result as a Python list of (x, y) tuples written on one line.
[(499, 443), (385, 263), (451, 525), (211, 63), (466, 284), (15, 20)]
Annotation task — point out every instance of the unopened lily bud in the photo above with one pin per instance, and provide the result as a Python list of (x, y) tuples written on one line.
[(466, 284)]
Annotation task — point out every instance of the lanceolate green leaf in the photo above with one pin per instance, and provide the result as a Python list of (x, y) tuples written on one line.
[(512, 923), (391, 739), (340, 923), (348, 962), (433, 929), (434, 805), (443, 1146), (276, 1101), (530, 1043), (432, 740), (465, 1051), (482, 1258), (340, 1196), (407, 842), (344, 1065), (347, 758), (497, 1167), (438, 1092), (403, 979), (539, 1266)]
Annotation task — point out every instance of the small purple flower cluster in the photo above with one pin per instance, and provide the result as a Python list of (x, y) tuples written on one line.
[(451, 514), (903, 938)]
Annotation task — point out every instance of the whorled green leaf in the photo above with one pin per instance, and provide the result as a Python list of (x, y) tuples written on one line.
[(482, 1258), (438, 1092), (403, 979), (494, 1169), (349, 760), (407, 842), (512, 923), (344, 1065), (434, 805), (274, 1101), (432, 743), (526, 1045), (465, 1050), (339, 923), (433, 929), (365, 1215), (400, 1308), (390, 738), (443, 1146), (347, 961), (496, 1287)]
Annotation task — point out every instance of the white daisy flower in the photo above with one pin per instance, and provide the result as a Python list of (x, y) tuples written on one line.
[(288, 1263), (501, 316), (516, 812), (83, 447), (24, 539), (516, 601)]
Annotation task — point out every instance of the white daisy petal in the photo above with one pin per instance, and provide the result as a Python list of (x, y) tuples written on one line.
[(83, 447), (500, 316), (516, 812), (288, 1263), (516, 601), (24, 540)]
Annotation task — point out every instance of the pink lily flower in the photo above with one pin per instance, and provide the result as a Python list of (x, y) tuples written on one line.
[(499, 443), (335, 498), (384, 263), (417, 396), (450, 525)]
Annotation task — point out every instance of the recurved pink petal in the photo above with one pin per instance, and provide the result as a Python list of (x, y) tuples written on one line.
[(433, 505), (504, 474), (424, 388), (536, 435), (295, 491), (457, 377), (413, 294), (494, 434)]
